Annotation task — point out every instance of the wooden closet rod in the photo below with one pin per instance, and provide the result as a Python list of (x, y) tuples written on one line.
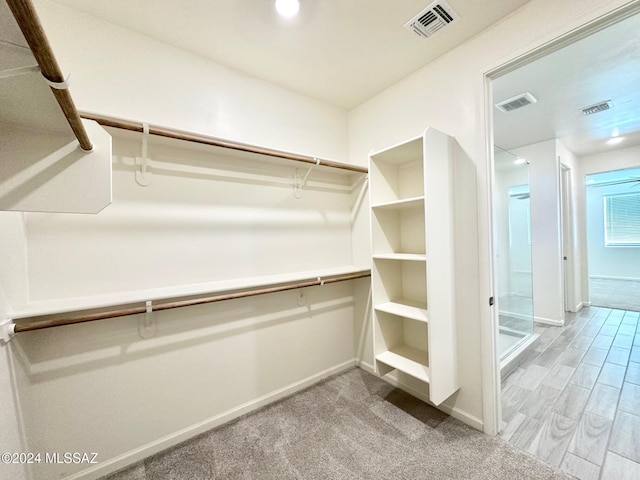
[(39, 325), (217, 142), (28, 21)]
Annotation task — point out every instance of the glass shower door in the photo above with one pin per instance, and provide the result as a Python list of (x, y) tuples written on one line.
[(513, 251)]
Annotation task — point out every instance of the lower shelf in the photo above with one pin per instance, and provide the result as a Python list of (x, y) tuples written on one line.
[(406, 359)]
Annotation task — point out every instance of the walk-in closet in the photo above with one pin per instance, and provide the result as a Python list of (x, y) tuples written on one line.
[(278, 239)]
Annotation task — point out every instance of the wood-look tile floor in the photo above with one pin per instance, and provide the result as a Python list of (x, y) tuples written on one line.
[(574, 402)]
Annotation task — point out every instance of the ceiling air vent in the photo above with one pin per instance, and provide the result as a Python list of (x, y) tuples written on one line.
[(432, 19), (516, 102), (598, 107)]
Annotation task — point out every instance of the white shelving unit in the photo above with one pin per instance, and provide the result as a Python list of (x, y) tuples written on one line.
[(413, 266)]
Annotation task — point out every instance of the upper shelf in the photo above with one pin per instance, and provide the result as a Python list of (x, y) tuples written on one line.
[(27, 32), (22, 84), (50, 160), (224, 144)]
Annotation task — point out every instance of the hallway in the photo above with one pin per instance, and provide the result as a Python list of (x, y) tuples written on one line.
[(575, 401), (621, 294)]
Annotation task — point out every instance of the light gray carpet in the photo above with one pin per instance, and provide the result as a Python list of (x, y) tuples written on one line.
[(352, 426), (611, 293)]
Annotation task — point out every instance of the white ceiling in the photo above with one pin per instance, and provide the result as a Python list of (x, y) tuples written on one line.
[(603, 66), (337, 51), (345, 51)]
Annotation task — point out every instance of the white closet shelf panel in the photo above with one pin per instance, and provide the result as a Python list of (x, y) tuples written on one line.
[(407, 203), (412, 310), (411, 257), (72, 304), (409, 360)]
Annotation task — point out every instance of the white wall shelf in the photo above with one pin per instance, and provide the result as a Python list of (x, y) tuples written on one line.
[(407, 203), (414, 312), (412, 249), (410, 257), (66, 305)]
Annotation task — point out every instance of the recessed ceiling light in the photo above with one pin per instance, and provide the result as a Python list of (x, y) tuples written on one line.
[(615, 140), (287, 8), (519, 161)]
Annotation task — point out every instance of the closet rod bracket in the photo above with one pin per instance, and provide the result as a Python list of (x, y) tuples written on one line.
[(299, 185), (143, 175), (63, 85), (147, 323), (7, 331)]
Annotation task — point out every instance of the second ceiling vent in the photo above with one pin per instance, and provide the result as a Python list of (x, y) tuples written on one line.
[(432, 19)]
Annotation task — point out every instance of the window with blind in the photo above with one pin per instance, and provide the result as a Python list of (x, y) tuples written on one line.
[(622, 220)]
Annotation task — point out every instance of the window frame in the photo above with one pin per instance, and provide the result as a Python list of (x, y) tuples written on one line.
[(613, 242)]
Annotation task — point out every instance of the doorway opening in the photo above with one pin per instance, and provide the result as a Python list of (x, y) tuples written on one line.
[(613, 238), (584, 368)]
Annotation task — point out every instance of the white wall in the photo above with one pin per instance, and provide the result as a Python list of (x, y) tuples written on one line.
[(546, 245), (205, 217), (12, 438), (547, 248), (13, 285), (117, 72), (449, 94), (101, 387)]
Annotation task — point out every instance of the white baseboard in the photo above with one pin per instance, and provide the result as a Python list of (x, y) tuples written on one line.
[(549, 321), (138, 454), (578, 307), (608, 277), (455, 412)]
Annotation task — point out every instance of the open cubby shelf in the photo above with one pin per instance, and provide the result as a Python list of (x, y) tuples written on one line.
[(409, 257), (407, 309), (409, 360), (416, 203)]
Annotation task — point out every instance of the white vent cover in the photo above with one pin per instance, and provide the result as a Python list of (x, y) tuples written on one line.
[(516, 102), (433, 18), (598, 107)]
